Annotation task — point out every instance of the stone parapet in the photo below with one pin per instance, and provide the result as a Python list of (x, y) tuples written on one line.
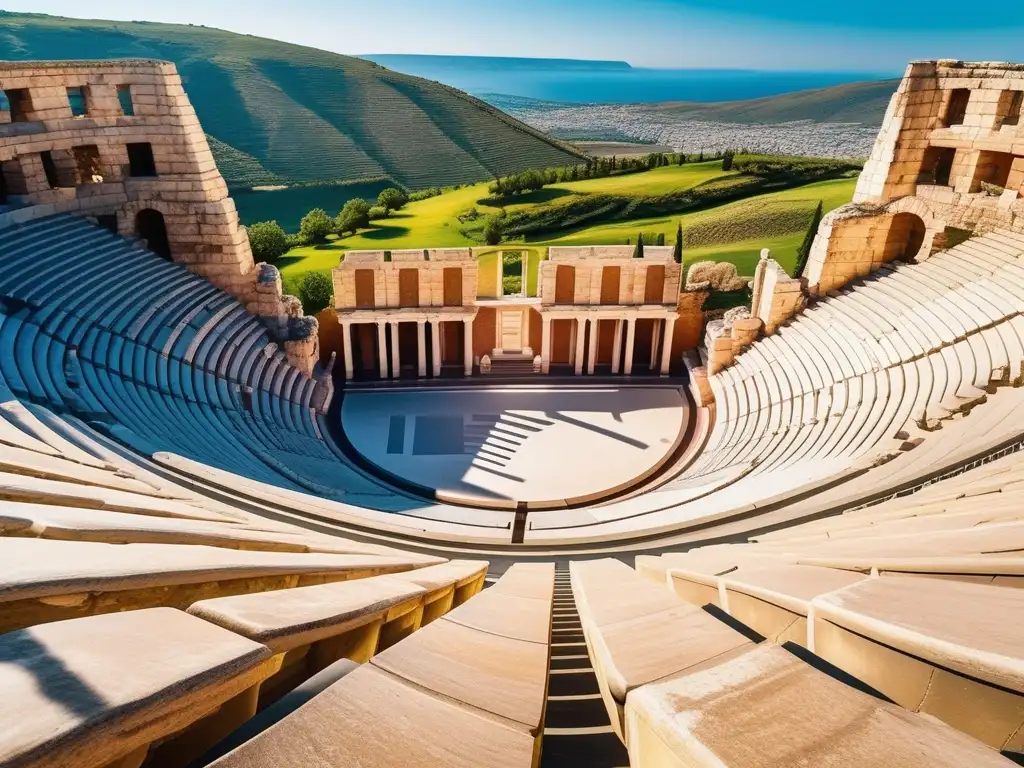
[(777, 297)]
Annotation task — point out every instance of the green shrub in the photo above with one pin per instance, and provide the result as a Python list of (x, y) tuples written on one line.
[(267, 240), (424, 194), (316, 226), (316, 292), (728, 299), (469, 215), (786, 165), (804, 251), (375, 213), (494, 229), (511, 285), (392, 199), (353, 217)]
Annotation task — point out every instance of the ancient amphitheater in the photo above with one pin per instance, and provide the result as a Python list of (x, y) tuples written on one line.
[(584, 527)]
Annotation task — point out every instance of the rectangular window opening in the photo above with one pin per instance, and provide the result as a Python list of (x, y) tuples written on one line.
[(957, 110), (78, 100), (937, 166), (140, 161), (992, 172), (124, 96), (19, 104), (87, 163), (1010, 107)]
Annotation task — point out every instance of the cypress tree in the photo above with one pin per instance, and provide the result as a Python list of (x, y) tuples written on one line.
[(661, 238), (638, 252), (677, 251), (805, 247)]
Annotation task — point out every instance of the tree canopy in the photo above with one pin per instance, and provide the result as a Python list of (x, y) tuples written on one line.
[(315, 292), (267, 240), (316, 226), (392, 199), (354, 216)]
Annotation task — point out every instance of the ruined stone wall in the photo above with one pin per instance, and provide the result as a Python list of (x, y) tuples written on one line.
[(950, 152), (430, 265), (777, 297), (134, 145), (589, 263), (689, 322)]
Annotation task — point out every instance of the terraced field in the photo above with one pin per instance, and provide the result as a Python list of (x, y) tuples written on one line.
[(282, 113), (733, 232)]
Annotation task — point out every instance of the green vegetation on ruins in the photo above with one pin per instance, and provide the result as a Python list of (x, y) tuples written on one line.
[(725, 215)]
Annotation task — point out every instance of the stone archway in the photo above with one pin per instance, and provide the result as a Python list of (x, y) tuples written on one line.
[(905, 238), (913, 228), (150, 226)]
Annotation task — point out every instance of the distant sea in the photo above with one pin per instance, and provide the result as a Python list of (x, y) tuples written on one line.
[(608, 82)]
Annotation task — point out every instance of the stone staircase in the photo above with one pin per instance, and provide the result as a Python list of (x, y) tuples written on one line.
[(577, 732), (511, 367)]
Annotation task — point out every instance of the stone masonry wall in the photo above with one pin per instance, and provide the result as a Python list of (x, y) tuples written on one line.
[(188, 191), (589, 262), (777, 296), (429, 263), (950, 151)]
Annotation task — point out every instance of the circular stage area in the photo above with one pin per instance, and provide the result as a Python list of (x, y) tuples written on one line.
[(496, 446)]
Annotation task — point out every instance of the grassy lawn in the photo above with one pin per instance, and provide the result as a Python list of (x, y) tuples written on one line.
[(746, 253), (671, 178), (732, 232)]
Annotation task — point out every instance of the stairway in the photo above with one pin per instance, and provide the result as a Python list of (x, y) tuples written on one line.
[(577, 732), (511, 367)]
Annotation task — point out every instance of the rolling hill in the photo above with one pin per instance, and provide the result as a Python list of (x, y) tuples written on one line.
[(863, 102), (734, 231), (285, 114)]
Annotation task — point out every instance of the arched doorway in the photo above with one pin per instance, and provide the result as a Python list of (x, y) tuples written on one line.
[(149, 225), (905, 238)]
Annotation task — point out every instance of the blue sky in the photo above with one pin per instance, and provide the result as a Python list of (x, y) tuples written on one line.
[(860, 36)]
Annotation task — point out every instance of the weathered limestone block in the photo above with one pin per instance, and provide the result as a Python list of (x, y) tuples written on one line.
[(777, 296), (745, 331), (690, 322), (699, 386), (302, 346), (721, 354)]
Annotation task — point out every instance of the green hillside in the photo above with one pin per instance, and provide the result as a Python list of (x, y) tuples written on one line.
[(285, 114), (733, 231)]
